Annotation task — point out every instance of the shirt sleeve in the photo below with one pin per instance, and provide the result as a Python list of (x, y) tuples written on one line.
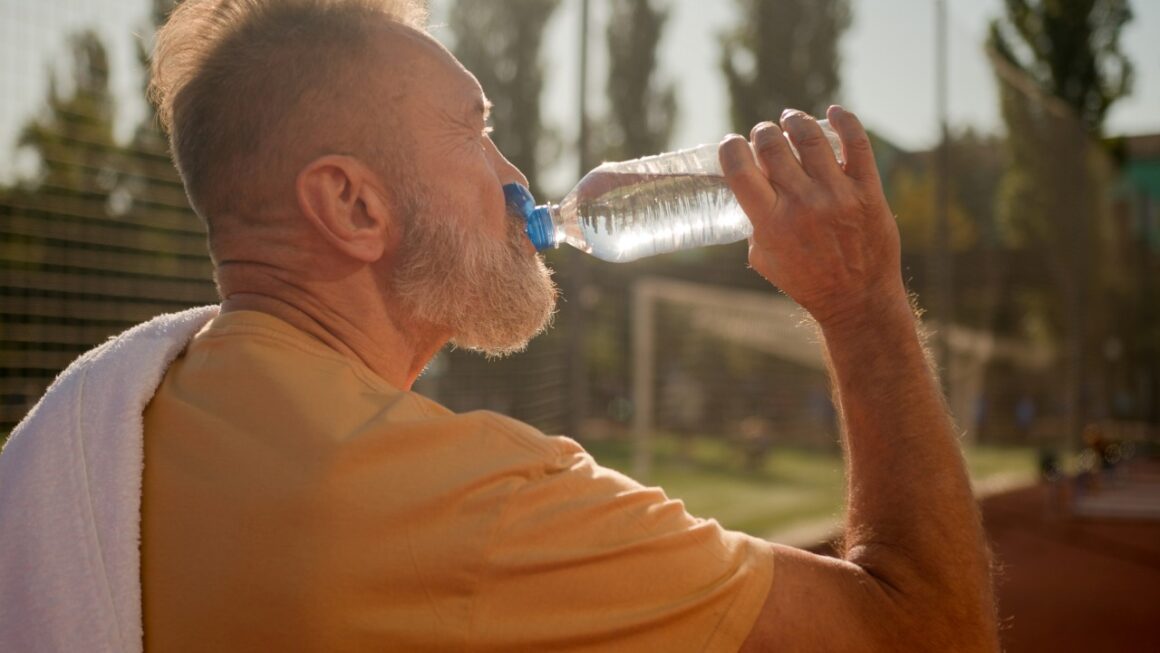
[(585, 558)]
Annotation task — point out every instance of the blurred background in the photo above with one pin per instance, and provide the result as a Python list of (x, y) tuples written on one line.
[(1019, 145)]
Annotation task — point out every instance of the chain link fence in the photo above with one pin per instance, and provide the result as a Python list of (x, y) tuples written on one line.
[(1054, 243)]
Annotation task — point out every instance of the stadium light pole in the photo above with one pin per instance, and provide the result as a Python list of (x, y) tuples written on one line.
[(941, 265), (582, 144), (577, 363)]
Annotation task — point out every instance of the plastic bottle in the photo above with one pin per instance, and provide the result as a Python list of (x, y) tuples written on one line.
[(631, 209)]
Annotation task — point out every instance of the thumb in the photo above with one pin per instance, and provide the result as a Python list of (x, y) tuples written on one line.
[(860, 165)]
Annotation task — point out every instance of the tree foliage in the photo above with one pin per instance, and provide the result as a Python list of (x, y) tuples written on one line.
[(100, 218), (500, 42), (643, 107), (149, 174), (1060, 69), (1070, 49), (976, 162), (73, 136), (150, 127), (783, 54)]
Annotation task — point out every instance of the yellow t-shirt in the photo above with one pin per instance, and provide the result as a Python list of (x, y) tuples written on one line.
[(294, 501)]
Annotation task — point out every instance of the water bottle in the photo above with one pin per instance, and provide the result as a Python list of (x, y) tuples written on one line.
[(627, 210)]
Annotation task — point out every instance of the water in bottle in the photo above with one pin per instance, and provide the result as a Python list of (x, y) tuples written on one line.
[(631, 209)]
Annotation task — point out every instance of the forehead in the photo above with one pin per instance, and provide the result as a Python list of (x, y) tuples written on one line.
[(434, 78)]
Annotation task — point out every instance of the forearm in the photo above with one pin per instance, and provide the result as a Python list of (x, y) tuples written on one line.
[(912, 521), (915, 574)]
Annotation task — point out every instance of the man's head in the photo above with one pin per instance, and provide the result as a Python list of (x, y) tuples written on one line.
[(343, 120), (247, 89)]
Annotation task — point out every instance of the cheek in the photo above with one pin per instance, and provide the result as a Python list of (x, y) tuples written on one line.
[(492, 205), (476, 183)]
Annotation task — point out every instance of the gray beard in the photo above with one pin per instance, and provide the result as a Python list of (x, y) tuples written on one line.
[(491, 295)]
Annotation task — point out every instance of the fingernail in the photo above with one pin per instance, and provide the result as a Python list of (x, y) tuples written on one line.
[(764, 131), (727, 156), (788, 112)]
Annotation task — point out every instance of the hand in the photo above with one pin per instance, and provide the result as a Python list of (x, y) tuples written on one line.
[(822, 231)]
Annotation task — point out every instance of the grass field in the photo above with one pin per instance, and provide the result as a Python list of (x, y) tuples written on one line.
[(795, 495)]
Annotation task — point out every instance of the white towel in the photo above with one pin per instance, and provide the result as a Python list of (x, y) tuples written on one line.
[(70, 497)]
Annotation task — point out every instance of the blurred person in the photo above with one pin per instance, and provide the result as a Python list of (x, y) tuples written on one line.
[(1025, 416), (295, 495)]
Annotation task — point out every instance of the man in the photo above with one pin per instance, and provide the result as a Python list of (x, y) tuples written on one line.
[(297, 496)]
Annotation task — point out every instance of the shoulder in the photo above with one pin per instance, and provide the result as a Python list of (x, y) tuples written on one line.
[(518, 443), (556, 451), (496, 431)]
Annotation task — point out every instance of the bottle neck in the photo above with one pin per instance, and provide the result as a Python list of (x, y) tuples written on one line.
[(540, 222), (543, 226)]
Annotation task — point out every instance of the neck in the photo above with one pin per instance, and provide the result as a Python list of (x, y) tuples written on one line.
[(348, 314)]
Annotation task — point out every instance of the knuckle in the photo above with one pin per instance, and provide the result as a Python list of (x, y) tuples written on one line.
[(749, 178), (768, 145), (849, 203), (809, 139), (818, 201), (860, 143)]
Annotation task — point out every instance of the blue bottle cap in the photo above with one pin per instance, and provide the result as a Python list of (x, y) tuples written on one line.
[(537, 219)]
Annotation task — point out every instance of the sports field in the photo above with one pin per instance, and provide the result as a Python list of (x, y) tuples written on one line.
[(794, 496)]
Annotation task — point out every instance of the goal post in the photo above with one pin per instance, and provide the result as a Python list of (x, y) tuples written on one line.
[(771, 325), (764, 321)]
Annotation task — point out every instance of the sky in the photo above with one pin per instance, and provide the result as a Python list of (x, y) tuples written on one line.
[(888, 69)]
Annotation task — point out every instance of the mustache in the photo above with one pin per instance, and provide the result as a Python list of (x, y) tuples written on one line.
[(514, 215), (517, 226)]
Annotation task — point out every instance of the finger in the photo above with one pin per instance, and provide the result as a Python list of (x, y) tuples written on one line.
[(812, 145), (747, 181), (856, 150), (776, 158)]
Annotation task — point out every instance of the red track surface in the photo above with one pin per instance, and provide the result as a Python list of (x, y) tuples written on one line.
[(1068, 583)]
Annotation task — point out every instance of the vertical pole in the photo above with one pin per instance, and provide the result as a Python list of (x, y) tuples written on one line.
[(941, 267), (577, 364), (582, 145), (642, 379)]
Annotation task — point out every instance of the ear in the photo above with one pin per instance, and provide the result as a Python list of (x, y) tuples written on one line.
[(338, 197)]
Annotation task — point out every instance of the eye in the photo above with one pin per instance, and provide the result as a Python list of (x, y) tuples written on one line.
[(484, 135)]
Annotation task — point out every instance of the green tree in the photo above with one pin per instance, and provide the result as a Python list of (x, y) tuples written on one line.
[(149, 130), (500, 42), (150, 181), (783, 53), (1060, 69), (976, 163), (72, 140), (73, 137), (1070, 49), (99, 238), (644, 108), (642, 112)]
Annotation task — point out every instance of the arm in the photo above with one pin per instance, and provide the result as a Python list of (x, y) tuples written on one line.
[(914, 574)]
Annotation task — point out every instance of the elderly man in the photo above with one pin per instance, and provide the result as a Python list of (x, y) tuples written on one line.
[(297, 496)]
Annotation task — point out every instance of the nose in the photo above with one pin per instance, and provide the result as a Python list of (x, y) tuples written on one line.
[(504, 169)]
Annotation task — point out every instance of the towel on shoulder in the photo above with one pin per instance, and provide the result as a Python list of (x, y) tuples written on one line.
[(70, 496)]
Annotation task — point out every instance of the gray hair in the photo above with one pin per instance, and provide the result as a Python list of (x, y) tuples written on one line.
[(233, 79)]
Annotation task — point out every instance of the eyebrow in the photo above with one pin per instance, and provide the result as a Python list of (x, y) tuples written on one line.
[(483, 107)]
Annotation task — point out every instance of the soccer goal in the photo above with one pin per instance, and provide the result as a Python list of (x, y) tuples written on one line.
[(764, 346)]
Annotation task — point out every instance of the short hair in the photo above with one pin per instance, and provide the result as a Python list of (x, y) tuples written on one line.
[(231, 78)]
